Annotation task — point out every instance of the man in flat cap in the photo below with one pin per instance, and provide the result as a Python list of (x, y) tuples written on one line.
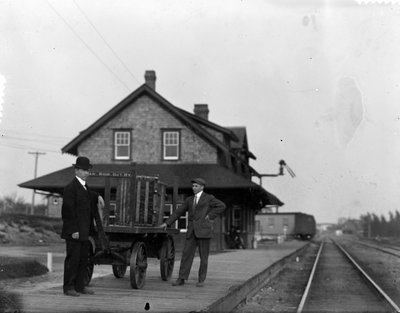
[(202, 209), (79, 210)]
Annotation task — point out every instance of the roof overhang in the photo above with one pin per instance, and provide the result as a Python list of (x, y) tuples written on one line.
[(216, 177)]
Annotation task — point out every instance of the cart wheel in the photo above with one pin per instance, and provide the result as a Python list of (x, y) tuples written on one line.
[(138, 265), (90, 264), (119, 270), (167, 258)]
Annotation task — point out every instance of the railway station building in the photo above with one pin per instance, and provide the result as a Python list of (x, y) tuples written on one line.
[(175, 145)]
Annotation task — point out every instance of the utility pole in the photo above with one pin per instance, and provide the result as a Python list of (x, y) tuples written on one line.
[(36, 154)]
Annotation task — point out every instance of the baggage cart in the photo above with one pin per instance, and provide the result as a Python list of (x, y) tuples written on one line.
[(130, 232)]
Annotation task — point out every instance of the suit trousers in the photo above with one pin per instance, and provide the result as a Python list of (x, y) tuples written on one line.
[(188, 253), (75, 264)]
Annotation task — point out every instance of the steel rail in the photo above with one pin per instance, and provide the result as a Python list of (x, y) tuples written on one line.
[(382, 249), (306, 291), (379, 289)]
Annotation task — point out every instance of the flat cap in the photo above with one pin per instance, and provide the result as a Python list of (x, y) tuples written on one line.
[(199, 181)]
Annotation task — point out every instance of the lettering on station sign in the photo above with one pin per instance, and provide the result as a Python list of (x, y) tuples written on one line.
[(110, 174)]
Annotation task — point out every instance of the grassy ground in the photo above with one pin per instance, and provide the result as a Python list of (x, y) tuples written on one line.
[(21, 229), (16, 267), (25, 230), (10, 302)]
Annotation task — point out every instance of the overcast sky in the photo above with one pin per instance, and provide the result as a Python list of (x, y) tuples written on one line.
[(316, 83)]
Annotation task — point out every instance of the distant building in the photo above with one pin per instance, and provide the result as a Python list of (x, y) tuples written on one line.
[(325, 226), (352, 226), (54, 204)]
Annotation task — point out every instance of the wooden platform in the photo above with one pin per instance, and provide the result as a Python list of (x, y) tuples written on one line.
[(227, 271)]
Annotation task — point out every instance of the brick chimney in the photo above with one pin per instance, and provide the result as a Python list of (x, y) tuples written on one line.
[(201, 110), (150, 79)]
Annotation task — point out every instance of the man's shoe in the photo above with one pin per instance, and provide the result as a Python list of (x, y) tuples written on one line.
[(72, 293), (86, 291), (200, 284), (178, 282)]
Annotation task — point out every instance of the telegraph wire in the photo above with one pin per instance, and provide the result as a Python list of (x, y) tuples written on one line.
[(23, 147), (88, 47), (17, 142), (4, 131), (47, 141), (53, 154), (106, 43)]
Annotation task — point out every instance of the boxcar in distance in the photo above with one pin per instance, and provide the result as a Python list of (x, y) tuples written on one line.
[(289, 224)]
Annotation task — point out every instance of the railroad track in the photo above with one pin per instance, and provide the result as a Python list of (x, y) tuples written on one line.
[(392, 250), (338, 284)]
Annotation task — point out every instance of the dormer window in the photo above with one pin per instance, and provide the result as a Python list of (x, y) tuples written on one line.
[(170, 144), (122, 144)]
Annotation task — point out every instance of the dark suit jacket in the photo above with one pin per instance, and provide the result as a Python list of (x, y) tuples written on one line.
[(198, 225), (78, 211)]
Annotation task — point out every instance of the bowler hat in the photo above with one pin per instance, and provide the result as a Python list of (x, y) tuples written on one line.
[(199, 181), (83, 163)]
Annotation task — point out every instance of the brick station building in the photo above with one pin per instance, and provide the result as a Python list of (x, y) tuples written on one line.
[(175, 145)]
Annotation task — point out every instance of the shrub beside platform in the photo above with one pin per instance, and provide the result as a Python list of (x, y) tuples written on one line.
[(11, 267)]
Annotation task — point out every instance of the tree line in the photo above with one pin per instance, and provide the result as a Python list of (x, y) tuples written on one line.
[(17, 205), (380, 226)]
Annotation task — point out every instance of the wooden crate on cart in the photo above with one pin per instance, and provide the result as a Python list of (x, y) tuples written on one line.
[(130, 232)]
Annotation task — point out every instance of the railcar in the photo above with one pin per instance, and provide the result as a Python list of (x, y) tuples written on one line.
[(289, 224)]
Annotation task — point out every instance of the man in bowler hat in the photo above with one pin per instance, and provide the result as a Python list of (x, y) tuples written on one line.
[(79, 209), (202, 209)]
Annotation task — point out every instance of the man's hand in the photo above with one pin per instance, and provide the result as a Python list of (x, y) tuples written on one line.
[(75, 236), (100, 203), (163, 226)]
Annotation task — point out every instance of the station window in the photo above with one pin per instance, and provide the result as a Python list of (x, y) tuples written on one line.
[(171, 141), (258, 226), (285, 221), (112, 207), (181, 223), (122, 145), (271, 222), (237, 215), (112, 216)]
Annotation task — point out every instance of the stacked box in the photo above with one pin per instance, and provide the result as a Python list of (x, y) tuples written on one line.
[(132, 200), (149, 201)]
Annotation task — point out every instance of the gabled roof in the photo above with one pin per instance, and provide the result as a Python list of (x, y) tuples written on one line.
[(224, 130), (216, 177), (72, 146), (241, 144), (240, 133)]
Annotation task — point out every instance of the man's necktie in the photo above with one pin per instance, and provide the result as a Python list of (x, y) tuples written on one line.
[(194, 201)]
